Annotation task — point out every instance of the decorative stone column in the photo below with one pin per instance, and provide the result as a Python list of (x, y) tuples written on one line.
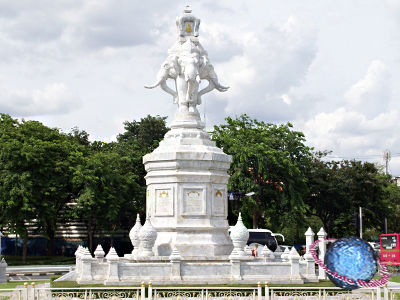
[(86, 269), (321, 252), (294, 259), (307, 256), (99, 254), (278, 253), (175, 258), (134, 236), (267, 254), (147, 237), (78, 254), (239, 236), (112, 259), (285, 255), (3, 267), (235, 265)]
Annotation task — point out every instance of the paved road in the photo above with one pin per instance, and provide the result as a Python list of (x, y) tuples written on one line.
[(36, 273)]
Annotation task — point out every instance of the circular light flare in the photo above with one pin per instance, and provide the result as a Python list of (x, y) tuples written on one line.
[(359, 283)]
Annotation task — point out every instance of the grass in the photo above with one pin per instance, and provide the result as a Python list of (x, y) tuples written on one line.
[(39, 260), (13, 284)]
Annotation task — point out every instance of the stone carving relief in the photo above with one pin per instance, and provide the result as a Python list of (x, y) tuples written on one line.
[(219, 199), (193, 201), (164, 202)]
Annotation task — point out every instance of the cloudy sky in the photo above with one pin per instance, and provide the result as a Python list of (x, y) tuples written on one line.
[(331, 67)]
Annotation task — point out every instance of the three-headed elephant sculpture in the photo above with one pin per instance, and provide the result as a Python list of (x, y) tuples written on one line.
[(187, 69), (169, 69)]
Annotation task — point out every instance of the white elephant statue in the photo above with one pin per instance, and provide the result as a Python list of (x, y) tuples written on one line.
[(187, 64), (169, 69)]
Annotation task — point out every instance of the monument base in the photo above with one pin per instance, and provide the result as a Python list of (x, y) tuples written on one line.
[(163, 271)]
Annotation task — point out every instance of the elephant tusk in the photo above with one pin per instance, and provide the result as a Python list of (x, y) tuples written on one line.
[(154, 85), (218, 86)]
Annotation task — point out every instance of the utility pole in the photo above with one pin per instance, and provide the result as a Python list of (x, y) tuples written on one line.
[(360, 223), (386, 158)]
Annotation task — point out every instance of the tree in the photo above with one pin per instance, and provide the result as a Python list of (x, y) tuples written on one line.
[(35, 176), (392, 200), (147, 133), (267, 159), (139, 139), (105, 185), (339, 188)]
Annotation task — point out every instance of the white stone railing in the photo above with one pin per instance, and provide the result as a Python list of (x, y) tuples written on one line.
[(199, 293)]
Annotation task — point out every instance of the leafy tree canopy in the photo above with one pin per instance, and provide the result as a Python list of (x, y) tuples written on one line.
[(267, 159)]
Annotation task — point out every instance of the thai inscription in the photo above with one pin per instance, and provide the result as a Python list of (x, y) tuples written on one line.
[(193, 202), (164, 202), (218, 205)]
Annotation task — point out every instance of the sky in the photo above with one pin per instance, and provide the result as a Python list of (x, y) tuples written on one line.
[(331, 68)]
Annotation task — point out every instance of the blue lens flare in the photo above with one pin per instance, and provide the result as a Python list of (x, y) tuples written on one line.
[(352, 257)]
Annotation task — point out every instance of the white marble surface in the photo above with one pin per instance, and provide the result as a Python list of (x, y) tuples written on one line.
[(187, 64)]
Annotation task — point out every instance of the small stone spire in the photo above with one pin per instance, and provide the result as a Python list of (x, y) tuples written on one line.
[(239, 236), (112, 254), (99, 253), (147, 236)]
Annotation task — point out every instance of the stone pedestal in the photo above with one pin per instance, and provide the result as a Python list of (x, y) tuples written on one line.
[(3, 267), (187, 191), (321, 252)]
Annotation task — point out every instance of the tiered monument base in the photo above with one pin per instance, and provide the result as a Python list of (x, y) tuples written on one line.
[(174, 270)]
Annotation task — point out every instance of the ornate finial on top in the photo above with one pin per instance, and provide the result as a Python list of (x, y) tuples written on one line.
[(187, 25), (187, 9)]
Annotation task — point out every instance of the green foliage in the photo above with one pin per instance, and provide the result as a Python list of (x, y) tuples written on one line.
[(104, 185), (339, 188), (35, 175), (392, 200), (147, 133), (267, 159)]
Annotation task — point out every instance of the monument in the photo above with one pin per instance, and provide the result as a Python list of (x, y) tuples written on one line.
[(185, 237), (187, 174)]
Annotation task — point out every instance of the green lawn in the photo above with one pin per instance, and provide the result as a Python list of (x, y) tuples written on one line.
[(39, 260), (13, 284)]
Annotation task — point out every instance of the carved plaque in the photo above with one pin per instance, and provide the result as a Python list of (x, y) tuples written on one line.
[(193, 201), (218, 205), (164, 202)]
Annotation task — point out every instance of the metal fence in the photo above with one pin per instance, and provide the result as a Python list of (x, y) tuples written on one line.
[(151, 292)]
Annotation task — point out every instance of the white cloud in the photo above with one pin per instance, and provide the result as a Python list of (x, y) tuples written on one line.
[(371, 94), (328, 69), (54, 99)]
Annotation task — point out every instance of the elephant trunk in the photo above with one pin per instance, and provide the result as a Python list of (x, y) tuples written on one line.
[(155, 84)]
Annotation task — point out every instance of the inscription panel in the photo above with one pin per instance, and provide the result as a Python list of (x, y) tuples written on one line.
[(164, 202), (194, 201), (219, 200)]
